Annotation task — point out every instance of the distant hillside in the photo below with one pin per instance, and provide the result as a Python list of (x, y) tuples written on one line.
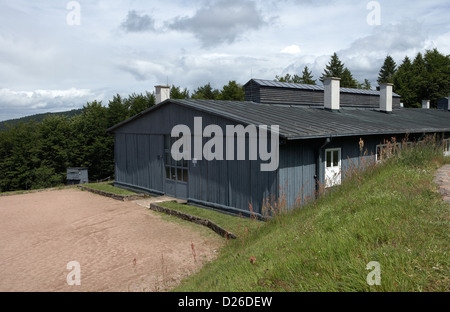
[(39, 117)]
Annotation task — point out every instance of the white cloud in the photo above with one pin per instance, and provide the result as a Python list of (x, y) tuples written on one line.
[(292, 49), (16, 103)]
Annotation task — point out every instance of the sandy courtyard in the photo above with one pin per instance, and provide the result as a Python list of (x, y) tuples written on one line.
[(120, 246)]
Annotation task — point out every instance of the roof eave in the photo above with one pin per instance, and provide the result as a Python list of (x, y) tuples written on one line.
[(131, 119), (181, 103), (337, 135)]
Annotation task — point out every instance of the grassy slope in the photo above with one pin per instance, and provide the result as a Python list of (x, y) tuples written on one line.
[(392, 214)]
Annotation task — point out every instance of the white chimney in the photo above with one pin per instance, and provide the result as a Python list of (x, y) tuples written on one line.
[(386, 97), (162, 93), (332, 96), (426, 104)]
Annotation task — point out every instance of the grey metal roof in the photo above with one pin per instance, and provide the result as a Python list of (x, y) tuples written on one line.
[(288, 85), (299, 122), (303, 123)]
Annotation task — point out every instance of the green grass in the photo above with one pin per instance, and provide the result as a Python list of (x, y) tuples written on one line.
[(392, 214), (109, 188), (235, 224)]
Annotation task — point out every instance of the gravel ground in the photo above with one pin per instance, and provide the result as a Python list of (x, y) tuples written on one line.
[(119, 246)]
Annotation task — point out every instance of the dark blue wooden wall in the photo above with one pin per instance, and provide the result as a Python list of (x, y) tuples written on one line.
[(228, 185)]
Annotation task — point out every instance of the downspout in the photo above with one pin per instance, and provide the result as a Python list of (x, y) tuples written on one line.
[(319, 163)]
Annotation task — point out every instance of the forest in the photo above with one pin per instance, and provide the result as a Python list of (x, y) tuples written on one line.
[(35, 154)]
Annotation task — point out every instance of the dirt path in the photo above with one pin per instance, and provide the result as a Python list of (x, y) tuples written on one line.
[(442, 179), (120, 246)]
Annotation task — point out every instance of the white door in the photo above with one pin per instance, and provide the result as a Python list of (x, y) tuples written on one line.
[(332, 167)]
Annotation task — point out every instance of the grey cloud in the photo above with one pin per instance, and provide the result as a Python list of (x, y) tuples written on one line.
[(221, 22), (365, 56), (138, 23), (391, 38)]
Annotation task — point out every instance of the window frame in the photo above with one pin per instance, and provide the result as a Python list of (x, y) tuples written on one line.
[(332, 162), (177, 171), (395, 148)]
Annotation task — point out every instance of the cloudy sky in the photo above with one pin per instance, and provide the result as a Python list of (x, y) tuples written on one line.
[(56, 55)]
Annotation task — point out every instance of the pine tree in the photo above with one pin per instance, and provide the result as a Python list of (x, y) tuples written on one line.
[(206, 93), (289, 78), (387, 71), (177, 94), (403, 83), (347, 80), (307, 76), (335, 68), (366, 85), (419, 80)]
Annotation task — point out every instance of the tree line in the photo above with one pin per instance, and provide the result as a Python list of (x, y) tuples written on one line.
[(427, 77), (36, 154)]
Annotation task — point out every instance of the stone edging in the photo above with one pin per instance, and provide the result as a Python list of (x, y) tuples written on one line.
[(111, 195), (205, 222)]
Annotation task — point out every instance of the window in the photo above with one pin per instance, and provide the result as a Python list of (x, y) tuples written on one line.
[(447, 147), (336, 158), (175, 170), (385, 151), (329, 158), (406, 145)]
